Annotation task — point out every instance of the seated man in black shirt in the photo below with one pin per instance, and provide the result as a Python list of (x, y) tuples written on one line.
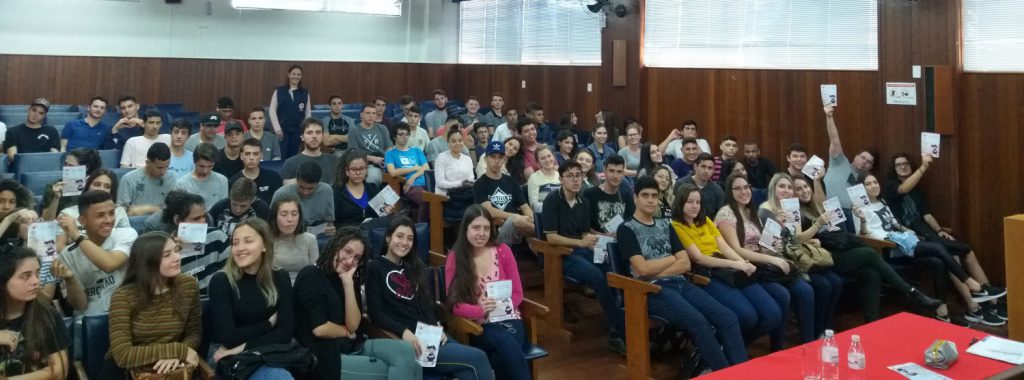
[(32, 136), (267, 181), (609, 199), (240, 204), (566, 222), (503, 197), (229, 159)]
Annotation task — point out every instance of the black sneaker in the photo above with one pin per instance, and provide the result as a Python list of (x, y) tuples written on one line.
[(987, 293), (1000, 309), (953, 319), (617, 345), (923, 300), (984, 315)]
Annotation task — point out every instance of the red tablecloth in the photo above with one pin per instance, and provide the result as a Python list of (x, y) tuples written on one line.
[(898, 339)]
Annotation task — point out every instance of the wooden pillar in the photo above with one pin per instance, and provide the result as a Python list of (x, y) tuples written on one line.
[(1013, 247), (620, 62)]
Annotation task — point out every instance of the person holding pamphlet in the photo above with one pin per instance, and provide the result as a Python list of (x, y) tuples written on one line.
[(399, 301), (911, 208), (352, 195), (877, 221), (851, 258), (483, 285), (841, 172)]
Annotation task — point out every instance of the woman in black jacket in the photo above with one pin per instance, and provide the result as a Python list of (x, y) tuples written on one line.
[(352, 195)]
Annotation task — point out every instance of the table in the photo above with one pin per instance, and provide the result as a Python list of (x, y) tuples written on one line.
[(898, 339)]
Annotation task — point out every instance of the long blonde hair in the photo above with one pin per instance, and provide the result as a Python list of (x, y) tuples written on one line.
[(265, 273), (773, 203)]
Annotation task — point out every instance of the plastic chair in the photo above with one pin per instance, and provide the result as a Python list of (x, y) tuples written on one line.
[(111, 158), (38, 162), (36, 182), (95, 343)]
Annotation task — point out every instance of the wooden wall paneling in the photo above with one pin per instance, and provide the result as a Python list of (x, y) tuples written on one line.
[(624, 100)]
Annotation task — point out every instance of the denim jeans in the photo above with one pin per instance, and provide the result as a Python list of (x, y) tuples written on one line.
[(580, 267), (714, 328), (505, 344), (384, 359), (827, 289), (461, 361), (757, 312), (262, 373), (785, 295)]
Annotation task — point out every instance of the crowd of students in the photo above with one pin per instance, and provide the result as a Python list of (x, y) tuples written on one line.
[(670, 209)]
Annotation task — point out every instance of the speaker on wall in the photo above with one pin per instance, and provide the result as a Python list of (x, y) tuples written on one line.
[(940, 99), (172, 1)]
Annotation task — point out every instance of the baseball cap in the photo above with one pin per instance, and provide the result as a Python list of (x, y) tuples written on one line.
[(42, 102), (210, 119), (225, 102), (233, 126), (495, 147)]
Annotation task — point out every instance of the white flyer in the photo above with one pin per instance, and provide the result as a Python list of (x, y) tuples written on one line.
[(997, 348), (430, 342), (858, 195), (613, 224), (42, 238), (771, 237), (501, 291), (601, 248), (704, 146), (901, 93), (834, 211), (74, 180), (386, 197), (915, 371), (930, 144), (814, 167), (829, 95), (791, 206), (192, 232)]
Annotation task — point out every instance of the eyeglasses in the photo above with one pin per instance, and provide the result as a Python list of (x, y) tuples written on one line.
[(573, 176), (741, 188)]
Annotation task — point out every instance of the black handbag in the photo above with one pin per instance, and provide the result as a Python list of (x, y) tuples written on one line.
[(459, 199), (838, 241), (291, 356), (735, 278), (771, 273)]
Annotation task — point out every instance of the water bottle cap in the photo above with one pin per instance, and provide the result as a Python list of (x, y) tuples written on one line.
[(855, 338), (829, 333)]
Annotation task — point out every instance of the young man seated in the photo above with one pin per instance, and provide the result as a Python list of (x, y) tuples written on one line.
[(267, 181), (207, 133), (609, 199), (566, 222), (181, 160), (32, 136), (96, 258), (240, 204), (711, 194), (229, 158), (656, 255), (142, 190), (269, 142), (337, 125), (408, 161), (372, 138), (134, 154), (503, 197), (684, 164), (315, 197), (203, 181), (312, 151)]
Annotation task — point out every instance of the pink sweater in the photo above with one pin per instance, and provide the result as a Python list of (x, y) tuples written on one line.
[(507, 270)]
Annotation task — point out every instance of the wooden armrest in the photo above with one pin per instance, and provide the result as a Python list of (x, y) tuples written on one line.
[(878, 245), (548, 249), (205, 372), (630, 285), (376, 332), (533, 312), (394, 181), (435, 203), (697, 279), (434, 197), (80, 370), (462, 328), (437, 259)]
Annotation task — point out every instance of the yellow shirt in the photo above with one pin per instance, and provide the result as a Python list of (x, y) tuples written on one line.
[(703, 236)]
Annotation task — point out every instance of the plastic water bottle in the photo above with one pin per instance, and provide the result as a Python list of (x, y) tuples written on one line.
[(856, 360), (829, 357)]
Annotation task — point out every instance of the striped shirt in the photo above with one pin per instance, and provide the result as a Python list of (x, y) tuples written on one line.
[(155, 333)]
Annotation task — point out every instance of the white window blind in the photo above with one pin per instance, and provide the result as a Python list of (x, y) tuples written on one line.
[(762, 34), (372, 7), (993, 35), (544, 32)]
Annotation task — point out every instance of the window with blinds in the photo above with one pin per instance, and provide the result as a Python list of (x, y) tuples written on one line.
[(993, 35), (540, 32), (372, 7), (762, 34)]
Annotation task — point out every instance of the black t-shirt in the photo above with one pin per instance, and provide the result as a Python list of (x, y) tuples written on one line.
[(227, 166), (761, 173), (339, 127), (267, 182), (20, 361), (225, 221), (320, 298), (604, 207), (569, 221), (504, 194), (910, 208), (32, 140)]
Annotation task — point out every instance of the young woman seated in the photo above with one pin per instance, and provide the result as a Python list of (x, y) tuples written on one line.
[(756, 310), (398, 298), (327, 316)]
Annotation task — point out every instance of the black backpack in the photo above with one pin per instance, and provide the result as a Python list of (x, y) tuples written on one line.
[(291, 356)]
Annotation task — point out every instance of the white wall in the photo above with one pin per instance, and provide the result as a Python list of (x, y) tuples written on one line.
[(426, 31)]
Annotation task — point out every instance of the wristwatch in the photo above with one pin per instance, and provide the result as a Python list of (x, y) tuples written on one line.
[(79, 241)]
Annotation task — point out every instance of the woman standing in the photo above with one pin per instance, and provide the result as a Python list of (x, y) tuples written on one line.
[(155, 318), (294, 248), (474, 261), (32, 334), (398, 299), (327, 316), (289, 106), (251, 303)]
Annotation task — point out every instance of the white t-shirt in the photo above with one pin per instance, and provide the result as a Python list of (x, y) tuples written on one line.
[(100, 285), (120, 218), (135, 149), (880, 220), (675, 147), (501, 133)]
